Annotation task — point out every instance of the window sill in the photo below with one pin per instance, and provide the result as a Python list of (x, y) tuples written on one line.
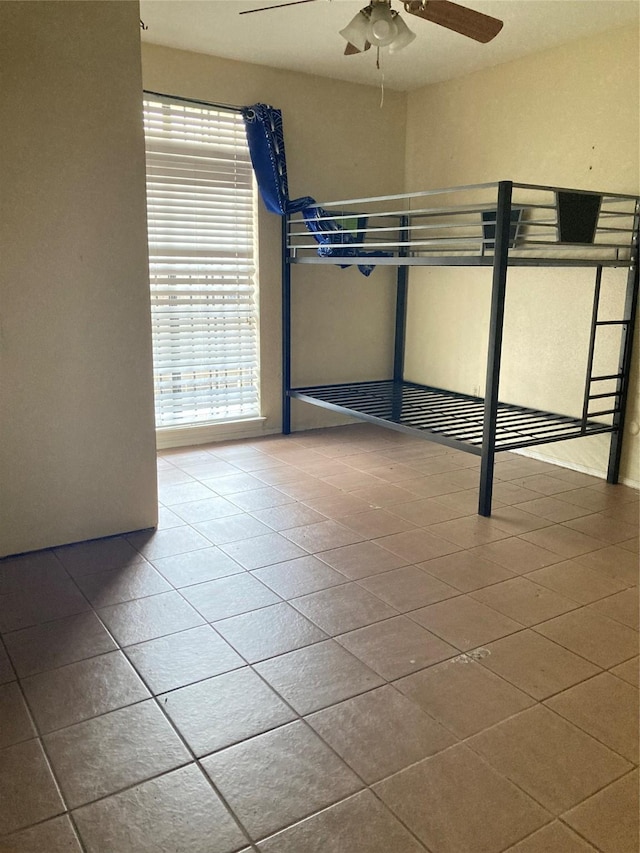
[(188, 436)]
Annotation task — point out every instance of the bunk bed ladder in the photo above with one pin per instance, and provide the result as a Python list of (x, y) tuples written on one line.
[(625, 361), (590, 378), (618, 397), (494, 354)]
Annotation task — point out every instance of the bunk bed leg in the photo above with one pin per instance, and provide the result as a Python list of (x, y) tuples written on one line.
[(486, 484), (498, 292), (286, 330), (624, 368), (401, 309), (402, 278)]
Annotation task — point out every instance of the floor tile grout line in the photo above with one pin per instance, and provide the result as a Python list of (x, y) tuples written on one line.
[(605, 598), (190, 604), (578, 832), (580, 726), (303, 719), (532, 796), (4, 651), (577, 654), (208, 780), (46, 734), (375, 793), (470, 594), (565, 595), (537, 703), (66, 813), (541, 703), (54, 775), (550, 696), (366, 789), (79, 838), (198, 759), (193, 759), (458, 594), (472, 660), (298, 717), (535, 831), (257, 662), (153, 778), (90, 607)]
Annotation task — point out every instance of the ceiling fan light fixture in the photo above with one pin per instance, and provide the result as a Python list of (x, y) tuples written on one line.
[(404, 37), (383, 28), (357, 31)]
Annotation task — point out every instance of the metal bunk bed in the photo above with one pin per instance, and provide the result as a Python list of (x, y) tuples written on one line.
[(498, 225)]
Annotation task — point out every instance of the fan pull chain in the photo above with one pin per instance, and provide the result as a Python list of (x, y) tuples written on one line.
[(380, 69)]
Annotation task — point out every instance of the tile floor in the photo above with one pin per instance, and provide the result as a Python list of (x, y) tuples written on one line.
[(323, 649)]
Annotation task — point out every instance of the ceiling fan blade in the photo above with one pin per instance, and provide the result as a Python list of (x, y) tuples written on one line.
[(276, 6), (460, 19), (351, 49)]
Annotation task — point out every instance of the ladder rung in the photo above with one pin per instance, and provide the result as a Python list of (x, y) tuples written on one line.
[(603, 378), (612, 322), (600, 396), (599, 414)]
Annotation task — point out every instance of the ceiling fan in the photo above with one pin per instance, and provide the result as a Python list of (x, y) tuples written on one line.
[(378, 25)]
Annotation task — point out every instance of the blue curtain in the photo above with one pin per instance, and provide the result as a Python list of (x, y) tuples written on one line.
[(266, 146), (265, 137)]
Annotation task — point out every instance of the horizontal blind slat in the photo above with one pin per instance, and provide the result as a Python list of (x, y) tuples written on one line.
[(201, 203)]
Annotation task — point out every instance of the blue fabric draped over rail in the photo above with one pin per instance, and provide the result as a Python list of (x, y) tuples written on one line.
[(265, 137), (266, 146)]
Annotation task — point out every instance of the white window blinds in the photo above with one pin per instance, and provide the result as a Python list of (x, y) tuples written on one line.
[(201, 203)]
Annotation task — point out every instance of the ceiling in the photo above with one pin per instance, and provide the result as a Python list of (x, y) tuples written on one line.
[(305, 37)]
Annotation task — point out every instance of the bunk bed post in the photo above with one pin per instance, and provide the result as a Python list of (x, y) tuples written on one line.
[(402, 277), (401, 305), (286, 329), (624, 369), (498, 292)]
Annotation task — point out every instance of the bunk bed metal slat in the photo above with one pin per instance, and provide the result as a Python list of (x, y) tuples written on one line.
[(516, 426)]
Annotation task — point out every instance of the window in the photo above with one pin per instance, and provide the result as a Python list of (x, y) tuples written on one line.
[(202, 211)]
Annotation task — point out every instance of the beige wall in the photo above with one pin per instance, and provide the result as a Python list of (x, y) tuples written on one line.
[(565, 117), (76, 423), (340, 144)]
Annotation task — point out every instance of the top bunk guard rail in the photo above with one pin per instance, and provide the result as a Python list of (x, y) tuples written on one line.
[(493, 185), (550, 226)]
